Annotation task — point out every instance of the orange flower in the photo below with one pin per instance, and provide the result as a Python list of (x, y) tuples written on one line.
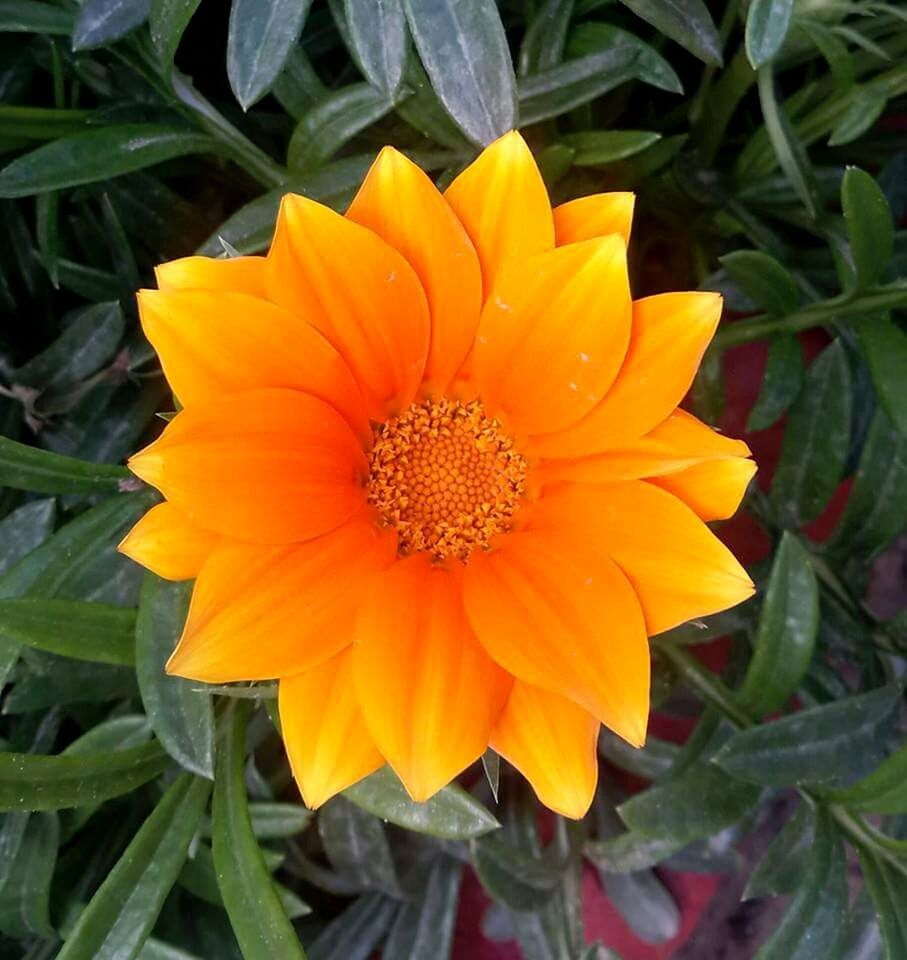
[(430, 473)]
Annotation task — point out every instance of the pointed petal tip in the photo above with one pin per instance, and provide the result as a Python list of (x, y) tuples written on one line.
[(147, 465)]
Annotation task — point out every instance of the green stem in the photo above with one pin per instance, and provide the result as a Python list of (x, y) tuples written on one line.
[(863, 834), (889, 297)]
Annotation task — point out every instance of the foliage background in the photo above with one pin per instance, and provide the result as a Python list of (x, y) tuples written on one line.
[(147, 818)]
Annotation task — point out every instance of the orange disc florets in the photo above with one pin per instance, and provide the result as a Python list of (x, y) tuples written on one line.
[(446, 477)]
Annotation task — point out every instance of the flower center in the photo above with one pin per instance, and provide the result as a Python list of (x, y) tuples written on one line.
[(446, 477)]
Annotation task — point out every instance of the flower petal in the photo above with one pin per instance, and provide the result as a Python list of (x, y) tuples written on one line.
[(401, 205), (559, 614), (552, 742), (212, 343), (713, 489), (260, 612), (678, 442), (677, 566), (428, 691), (268, 466), (553, 335), (359, 292), (168, 544), (236, 274), (325, 736), (594, 216), (669, 335), (501, 200)]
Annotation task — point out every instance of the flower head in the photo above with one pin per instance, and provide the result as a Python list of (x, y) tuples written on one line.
[(430, 473)]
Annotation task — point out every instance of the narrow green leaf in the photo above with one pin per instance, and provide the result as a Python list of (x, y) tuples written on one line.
[(253, 905), (181, 713), (814, 745), (782, 865), (334, 121), (888, 890), (261, 35), (40, 123), (870, 228), (816, 440), (644, 903), (277, 821), (687, 22), (883, 791), (651, 761), (117, 921), (884, 345), (491, 766), (512, 875), (781, 382), (100, 22), (597, 147), (357, 847), (24, 529), (863, 939), (97, 632), (450, 813), (545, 37), (377, 30), (30, 468), (98, 155), (767, 24), (786, 636), (464, 50), (25, 895), (764, 280), (355, 933), (813, 925), (32, 16), (168, 20), (866, 106), (424, 930), (35, 782)]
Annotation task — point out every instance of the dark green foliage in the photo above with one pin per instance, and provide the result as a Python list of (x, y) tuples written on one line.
[(765, 144)]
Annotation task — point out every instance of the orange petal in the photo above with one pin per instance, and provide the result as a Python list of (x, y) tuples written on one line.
[(325, 736), (502, 202), (553, 335), (559, 614), (234, 274), (268, 466), (669, 335), (167, 544), (677, 566), (714, 489), (359, 292), (594, 216), (428, 691), (552, 742), (212, 343), (401, 205), (679, 442), (260, 612)]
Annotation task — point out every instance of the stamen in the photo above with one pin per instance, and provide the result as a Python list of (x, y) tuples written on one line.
[(446, 477)]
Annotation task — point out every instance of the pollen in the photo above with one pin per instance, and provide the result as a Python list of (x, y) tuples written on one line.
[(446, 477)]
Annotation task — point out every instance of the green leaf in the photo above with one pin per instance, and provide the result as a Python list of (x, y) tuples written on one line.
[(168, 20), (377, 30), (35, 782), (816, 440), (464, 50), (632, 851), (790, 152), (813, 925), (786, 636), (781, 382), (423, 930), (644, 903), (24, 529), (863, 940), (817, 744), (277, 821), (334, 121), (596, 147), (181, 714), (865, 108), (356, 846), (512, 875), (117, 921), (888, 889), (97, 632), (40, 123), (261, 35), (450, 813), (25, 895), (355, 933), (870, 228), (99, 155), (883, 791), (545, 37), (687, 22), (764, 280), (30, 468), (884, 345), (782, 865), (100, 22), (32, 16), (651, 761), (767, 24), (253, 905)]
